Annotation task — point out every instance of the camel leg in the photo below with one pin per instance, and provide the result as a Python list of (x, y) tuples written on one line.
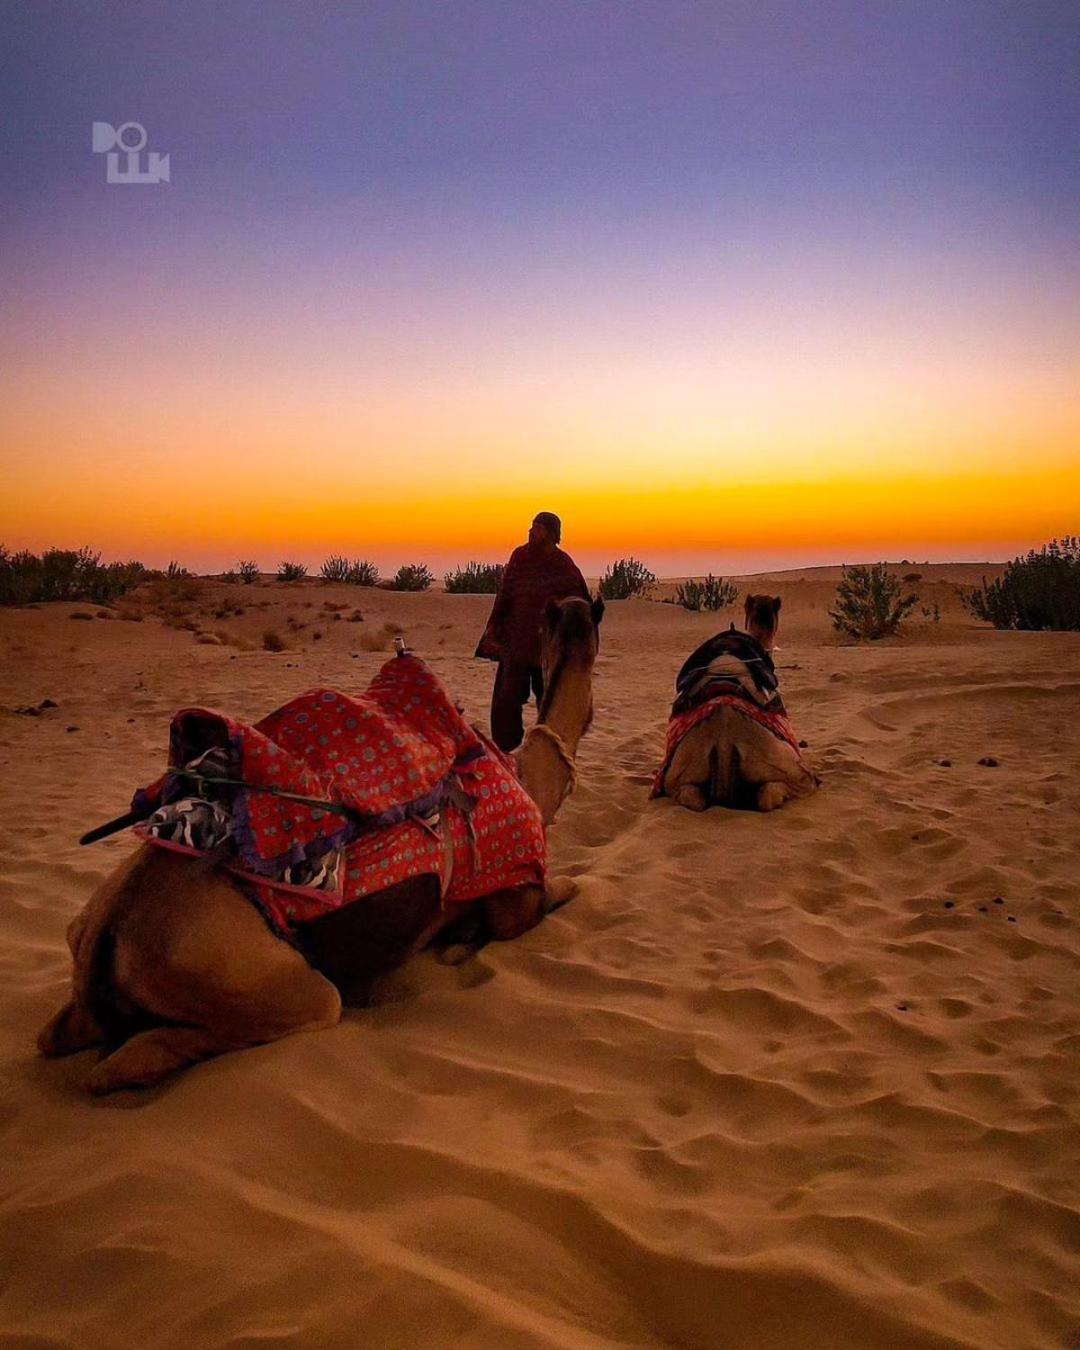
[(774, 769), (180, 956), (690, 796), (689, 771), (298, 999), (72, 1029)]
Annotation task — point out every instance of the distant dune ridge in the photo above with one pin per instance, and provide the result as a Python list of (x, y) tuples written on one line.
[(807, 1079)]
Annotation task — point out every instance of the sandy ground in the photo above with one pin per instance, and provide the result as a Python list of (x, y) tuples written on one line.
[(807, 1079)]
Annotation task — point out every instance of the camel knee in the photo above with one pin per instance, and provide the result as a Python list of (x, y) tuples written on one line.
[(691, 796), (70, 1030)]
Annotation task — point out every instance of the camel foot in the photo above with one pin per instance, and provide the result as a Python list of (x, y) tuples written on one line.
[(771, 796), (692, 797), (151, 1056), (71, 1030)]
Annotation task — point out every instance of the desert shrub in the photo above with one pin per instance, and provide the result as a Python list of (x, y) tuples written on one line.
[(354, 571), (475, 579), (335, 568), (869, 603), (291, 571), (932, 613), (229, 577), (272, 641), (411, 577), (247, 571), (362, 572), (626, 578), (1038, 591), (174, 570), (64, 574), (712, 593), (912, 577)]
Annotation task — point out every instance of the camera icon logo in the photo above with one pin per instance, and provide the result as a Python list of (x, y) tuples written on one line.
[(128, 139)]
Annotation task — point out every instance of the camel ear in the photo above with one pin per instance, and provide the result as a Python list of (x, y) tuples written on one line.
[(598, 610), (776, 605), (748, 604)]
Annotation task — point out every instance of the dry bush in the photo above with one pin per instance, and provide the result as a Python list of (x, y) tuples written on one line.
[(272, 641), (1038, 591), (711, 594), (474, 579), (625, 579), (356, 571), (64, 574), (869, 603), (411, 577)]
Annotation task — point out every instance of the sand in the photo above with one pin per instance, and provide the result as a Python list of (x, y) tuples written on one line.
[(798, 1080)]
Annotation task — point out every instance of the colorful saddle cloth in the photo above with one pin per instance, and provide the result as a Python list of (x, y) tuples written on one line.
[(333, 798)]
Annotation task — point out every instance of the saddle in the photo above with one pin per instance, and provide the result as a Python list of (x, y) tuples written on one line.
[(332, 798)]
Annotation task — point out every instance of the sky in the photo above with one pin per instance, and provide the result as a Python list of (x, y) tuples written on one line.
[(727, 285)]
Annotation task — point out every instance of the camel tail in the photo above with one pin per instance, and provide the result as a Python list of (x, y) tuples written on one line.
[(723, 774)]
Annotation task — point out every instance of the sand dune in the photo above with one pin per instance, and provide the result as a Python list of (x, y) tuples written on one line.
[(800, 1080)]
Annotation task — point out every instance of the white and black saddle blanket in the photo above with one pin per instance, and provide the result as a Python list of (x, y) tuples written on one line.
[(729, 663)]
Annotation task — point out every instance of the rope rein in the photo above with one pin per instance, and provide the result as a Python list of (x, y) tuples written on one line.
[(541, 729)]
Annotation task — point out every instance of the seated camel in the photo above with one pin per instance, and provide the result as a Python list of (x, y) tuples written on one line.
[(729, 740), (176, 959)]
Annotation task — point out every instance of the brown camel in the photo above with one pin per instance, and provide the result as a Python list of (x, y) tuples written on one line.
[(731, 760), (172, 964)]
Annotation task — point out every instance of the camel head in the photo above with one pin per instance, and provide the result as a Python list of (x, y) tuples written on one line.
[(570, 640), (763, 618)]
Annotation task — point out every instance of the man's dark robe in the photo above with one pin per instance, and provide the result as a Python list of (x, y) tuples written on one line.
[(533, 576)]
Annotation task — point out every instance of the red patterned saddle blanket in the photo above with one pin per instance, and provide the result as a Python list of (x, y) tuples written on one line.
[(334, 797)]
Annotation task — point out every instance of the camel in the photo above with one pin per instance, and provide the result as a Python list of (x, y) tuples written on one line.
[(731, 760), (173, 964)]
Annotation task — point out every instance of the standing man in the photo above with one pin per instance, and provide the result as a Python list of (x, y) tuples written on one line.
[(537, 572)]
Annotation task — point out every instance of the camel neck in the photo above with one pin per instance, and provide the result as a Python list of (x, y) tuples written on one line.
[(571, 703)]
